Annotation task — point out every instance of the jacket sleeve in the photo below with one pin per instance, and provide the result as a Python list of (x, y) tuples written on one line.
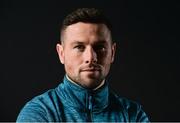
[(32, 112), (141, 115), (134, 111)]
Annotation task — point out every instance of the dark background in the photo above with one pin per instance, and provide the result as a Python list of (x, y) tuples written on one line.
[(146, 68)]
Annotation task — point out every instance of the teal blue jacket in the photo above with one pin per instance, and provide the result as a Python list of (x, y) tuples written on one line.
[(73, 103)]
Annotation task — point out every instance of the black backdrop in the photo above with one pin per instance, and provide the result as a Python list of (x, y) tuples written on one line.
[(146, 66)]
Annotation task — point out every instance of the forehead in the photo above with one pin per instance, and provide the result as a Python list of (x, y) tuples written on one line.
[(86, 31), (81, 27)]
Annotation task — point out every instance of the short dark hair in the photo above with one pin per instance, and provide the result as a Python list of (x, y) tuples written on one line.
[(86, 15)]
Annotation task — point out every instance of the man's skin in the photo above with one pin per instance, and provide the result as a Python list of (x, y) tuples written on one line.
[(87, 51)]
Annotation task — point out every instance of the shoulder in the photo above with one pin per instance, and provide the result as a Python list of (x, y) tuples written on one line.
[(127, 103), (39, 108), (124, 102), (132, 110)]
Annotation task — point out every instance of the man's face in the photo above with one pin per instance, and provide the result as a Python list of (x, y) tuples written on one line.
[(87, 53)]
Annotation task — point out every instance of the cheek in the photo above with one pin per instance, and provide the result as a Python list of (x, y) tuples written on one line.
[(69, 65), (106, 63), (72, 63), (104, 58)]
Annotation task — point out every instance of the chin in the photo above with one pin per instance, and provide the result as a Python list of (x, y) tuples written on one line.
[(91, 83)]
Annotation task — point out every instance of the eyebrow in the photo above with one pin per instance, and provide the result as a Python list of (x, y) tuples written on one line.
[(77, 42), (81, 42)]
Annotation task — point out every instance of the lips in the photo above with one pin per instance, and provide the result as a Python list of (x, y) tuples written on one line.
[(91, 69)]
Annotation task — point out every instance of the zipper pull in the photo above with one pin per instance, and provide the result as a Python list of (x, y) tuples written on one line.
[(90, 103), (89, 111)]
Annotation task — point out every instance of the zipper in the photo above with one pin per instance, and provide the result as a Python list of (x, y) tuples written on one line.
[(89, 109)]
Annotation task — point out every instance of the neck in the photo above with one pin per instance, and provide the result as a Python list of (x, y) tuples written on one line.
[(101, 84)]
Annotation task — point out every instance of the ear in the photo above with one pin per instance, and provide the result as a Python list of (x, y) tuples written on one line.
[(113, 52), (60, 51)]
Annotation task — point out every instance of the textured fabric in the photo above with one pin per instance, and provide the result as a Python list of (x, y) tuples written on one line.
[(73, 103)]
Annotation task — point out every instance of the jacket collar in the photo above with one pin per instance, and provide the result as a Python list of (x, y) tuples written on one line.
[(77, 96)]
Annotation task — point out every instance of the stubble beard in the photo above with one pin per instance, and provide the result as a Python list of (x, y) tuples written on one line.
[(88, 81)]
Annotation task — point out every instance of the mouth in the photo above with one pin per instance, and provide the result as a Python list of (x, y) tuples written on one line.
[(91, 70)]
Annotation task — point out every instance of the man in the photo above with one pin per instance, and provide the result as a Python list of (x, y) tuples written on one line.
[(86, 49)]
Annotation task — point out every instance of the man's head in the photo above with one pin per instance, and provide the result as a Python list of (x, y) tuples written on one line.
[(86, 48)]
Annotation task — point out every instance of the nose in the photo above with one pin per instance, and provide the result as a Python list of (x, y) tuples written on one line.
[(90, 55)]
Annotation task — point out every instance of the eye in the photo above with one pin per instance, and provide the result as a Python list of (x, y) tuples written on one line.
[(100, 48), (79, 47)]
